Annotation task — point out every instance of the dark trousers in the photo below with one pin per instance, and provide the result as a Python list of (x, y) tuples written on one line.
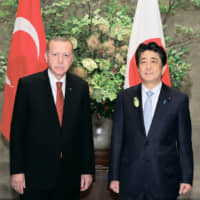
[(58, 192), (143, 197)]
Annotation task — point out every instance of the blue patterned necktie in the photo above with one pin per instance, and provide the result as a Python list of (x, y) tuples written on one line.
[(148, 111)]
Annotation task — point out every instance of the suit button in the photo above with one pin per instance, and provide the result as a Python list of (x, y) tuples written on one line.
[(146, 143)]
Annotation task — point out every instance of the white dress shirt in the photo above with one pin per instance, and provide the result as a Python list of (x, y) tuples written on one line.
[(53, 80), (156, 91)]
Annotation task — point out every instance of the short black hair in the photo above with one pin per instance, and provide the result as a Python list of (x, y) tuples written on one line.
[(151, 46)]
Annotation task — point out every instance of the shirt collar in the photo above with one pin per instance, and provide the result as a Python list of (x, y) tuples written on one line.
[(155, 90), (53, 79)]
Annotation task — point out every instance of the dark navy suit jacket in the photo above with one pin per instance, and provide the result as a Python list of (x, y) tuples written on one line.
[(156, 164)]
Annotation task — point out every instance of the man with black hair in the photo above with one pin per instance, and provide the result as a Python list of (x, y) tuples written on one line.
[(151, 148)]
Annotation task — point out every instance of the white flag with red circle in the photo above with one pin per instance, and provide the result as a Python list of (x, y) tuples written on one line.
[(26, 54), (147, 27)]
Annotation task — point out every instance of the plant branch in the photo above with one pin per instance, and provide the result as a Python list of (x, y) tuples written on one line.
[(180, 43), (90, 16), (171, 4)]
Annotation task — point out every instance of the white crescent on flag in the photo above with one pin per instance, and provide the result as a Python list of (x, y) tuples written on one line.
[(22, 24), (8, 82)]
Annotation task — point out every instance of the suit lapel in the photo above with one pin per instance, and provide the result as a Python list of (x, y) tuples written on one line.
[(161, 109), (49, 97), (138, 111), (68, 97)]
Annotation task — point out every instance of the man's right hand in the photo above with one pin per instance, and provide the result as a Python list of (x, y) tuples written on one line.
[(114, 186), (18, 183)]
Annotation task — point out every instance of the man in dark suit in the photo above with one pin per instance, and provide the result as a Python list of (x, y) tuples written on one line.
[(51, 147), (151, 150)]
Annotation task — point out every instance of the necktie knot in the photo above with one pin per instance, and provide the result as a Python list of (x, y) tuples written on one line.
[(59, 85), (149, 93)]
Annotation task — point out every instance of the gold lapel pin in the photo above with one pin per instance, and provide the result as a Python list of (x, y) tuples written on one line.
[(136, 102)]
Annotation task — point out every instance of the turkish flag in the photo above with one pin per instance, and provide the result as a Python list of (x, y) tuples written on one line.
[(147, 27), (26, 54)]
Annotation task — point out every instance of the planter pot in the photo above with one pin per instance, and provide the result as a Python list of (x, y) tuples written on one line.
[(102, 128)]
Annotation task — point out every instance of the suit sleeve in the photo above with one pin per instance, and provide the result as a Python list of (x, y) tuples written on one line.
[(185, 143), (18, 126), (87, 147), (116, 140)]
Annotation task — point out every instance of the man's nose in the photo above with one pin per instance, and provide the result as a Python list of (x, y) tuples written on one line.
[(60, 59), (148, 66)]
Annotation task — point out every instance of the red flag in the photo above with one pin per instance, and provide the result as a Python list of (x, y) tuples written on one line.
[(26, 54), (147, 27)]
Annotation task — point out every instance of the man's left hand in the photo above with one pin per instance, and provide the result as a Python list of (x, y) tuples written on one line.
[(184, 188), (86, 180)]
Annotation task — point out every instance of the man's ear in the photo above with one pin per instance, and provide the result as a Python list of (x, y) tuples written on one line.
[(163, 69), (45, 56)]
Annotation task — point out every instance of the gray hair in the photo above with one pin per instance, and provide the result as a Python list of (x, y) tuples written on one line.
[(61, 39)]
